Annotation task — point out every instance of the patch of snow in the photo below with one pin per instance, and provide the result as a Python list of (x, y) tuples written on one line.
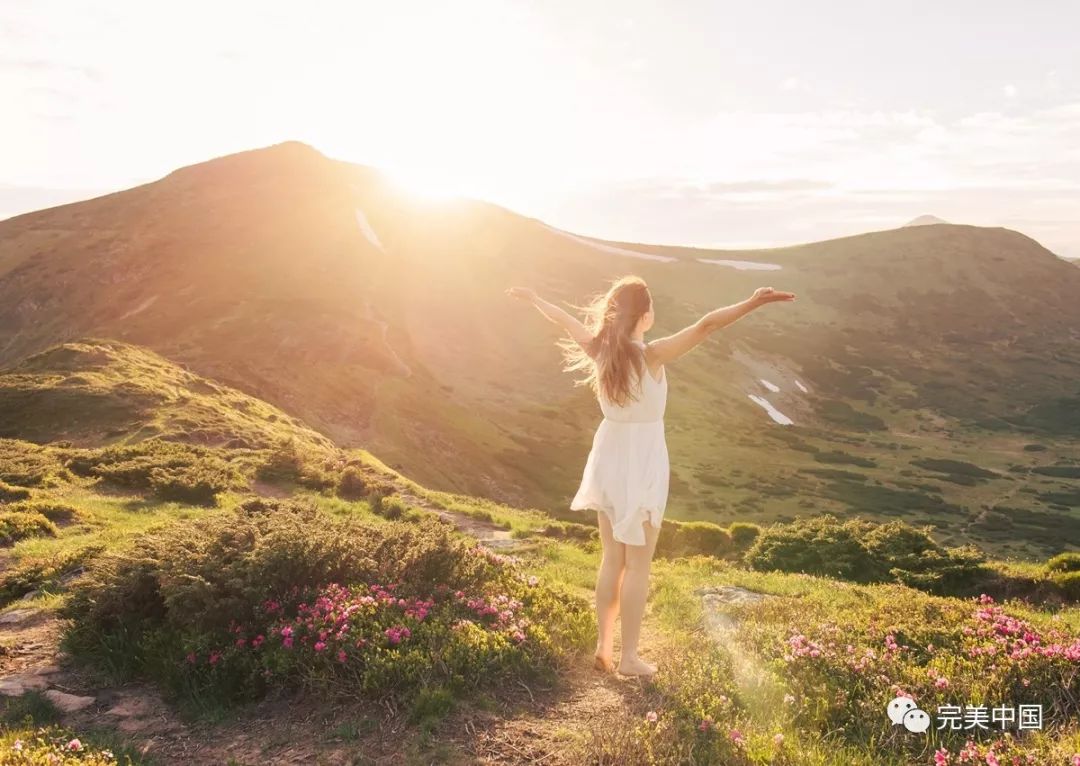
[(774, 413), (367, 231), (771, 386), (742, 265), (611, 248), (139, 309), (801, 387)]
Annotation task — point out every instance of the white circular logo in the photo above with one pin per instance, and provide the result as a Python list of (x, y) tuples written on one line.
[(899, 707), (916, 720)]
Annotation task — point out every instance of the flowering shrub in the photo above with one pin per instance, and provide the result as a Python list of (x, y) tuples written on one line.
[(52, 746), (843, 667), (364, 639), (280, 594)]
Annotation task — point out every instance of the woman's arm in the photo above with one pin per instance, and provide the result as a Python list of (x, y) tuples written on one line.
[(554, 314), (669, 349)]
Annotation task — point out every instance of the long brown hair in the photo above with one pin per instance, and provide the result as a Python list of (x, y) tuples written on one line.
[(610, 357)]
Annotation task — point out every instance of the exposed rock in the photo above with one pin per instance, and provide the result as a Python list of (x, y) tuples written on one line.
[(19, 684), (717, 620), (131, 707), (17, 616), (730, 594), (68, 703)]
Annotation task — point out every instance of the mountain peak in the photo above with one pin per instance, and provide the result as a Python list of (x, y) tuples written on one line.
[(925, 220), (287, 157)]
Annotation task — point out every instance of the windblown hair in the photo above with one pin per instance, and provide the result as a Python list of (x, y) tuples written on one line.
[(612, 362)]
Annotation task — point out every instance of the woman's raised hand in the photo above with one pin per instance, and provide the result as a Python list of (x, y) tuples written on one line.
[(522, 293), (765, 295)]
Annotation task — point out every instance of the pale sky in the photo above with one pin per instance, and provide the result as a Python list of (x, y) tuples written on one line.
[(683, 122)]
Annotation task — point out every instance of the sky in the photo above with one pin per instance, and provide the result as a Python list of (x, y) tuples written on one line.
[(683, 122)]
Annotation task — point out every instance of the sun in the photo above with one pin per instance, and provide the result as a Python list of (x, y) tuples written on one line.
[(431, 183)]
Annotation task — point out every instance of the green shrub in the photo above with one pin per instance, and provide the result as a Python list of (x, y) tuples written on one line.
[(352, 485), (43, 573), (9, 494), (1069, 583), (28, 465), (569, 530), (865, 552), (820, 545), (197, 484), (389, 506), (31, 707), (16, 525), (1064, 562), (55, 511), (743, 534), (692, 538), (843, 458), (958, 467), (283, 463), (172, 471), (1059, 471), (286, 462), (204, 607)]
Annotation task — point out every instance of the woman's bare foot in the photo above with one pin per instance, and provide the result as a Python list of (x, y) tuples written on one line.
[(636, 667), (603, 663)]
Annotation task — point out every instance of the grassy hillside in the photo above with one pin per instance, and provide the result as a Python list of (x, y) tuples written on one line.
[(321, 607), (97, 392), (381, 321)]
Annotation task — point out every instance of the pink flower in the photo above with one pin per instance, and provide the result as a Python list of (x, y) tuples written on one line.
[(240, 642), (18, 746), (992, 760), (75, 745), (341, 656), (941, 683), (320, 645), (257, 641), (191, 658), (287, 642), (1076, 760), (651, 716), (533, 580), (706, 724), (214, 657), (941, 757), (778, 739), (736, 736)]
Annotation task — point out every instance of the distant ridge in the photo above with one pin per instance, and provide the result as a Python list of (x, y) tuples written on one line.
[(925, 220)]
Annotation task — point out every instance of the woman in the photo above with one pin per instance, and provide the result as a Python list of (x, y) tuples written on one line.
[(626, 476)]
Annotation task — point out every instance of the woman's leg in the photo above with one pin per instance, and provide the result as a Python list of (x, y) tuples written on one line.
[(608, 584), (635, 590)]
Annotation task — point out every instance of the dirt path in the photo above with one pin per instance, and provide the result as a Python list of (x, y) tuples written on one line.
[(551, 725)]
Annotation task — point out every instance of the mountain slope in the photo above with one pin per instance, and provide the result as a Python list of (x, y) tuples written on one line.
[(381, 321), (93, 393)]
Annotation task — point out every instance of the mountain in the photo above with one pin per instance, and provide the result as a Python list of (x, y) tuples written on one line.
[(924, 220), (930, 371)]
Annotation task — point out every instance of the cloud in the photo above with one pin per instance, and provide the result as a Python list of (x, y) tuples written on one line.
[(40, 66)]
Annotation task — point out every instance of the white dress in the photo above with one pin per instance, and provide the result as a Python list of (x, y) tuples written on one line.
[(627, 473)]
